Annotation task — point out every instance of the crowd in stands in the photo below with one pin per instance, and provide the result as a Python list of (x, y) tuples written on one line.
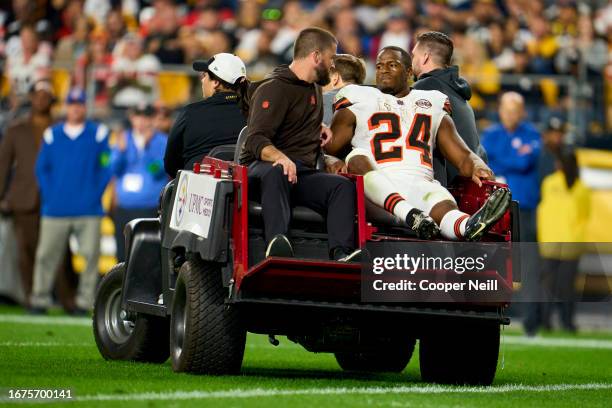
[(129, 42)]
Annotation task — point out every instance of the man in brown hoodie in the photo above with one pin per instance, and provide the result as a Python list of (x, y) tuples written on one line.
[(19, 194), (284, 139)]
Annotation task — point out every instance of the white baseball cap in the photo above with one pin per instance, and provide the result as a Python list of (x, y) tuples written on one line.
[(224, 66)]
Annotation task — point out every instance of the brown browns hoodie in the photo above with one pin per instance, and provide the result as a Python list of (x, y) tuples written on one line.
[(285, 112)]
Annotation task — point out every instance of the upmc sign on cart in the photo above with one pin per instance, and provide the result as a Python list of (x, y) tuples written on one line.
[(194, 203)]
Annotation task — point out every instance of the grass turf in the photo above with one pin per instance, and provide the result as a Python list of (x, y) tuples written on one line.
[(57, 355)]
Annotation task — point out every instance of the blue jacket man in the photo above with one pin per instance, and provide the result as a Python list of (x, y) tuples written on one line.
[(138, 166), (72, 170), (513, 147)]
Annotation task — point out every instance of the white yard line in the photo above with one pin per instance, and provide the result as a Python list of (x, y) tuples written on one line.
[(276, 392), (556, 342), (46, 320), (42, 344)]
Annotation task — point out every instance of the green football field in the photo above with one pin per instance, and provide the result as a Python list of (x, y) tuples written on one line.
[(59, 352)]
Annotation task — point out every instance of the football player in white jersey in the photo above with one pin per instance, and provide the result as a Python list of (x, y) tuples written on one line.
[(393, 132)]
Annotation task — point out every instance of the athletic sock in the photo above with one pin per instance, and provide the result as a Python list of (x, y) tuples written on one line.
[(381, 191), (453, 224)]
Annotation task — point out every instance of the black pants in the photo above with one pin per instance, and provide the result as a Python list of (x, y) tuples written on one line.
[(330, 195), (558, 279), (122, 216)]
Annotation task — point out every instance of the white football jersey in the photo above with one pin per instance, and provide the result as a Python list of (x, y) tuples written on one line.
[(400, 132)]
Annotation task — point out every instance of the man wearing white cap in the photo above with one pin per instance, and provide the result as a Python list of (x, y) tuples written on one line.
[(214, 121)]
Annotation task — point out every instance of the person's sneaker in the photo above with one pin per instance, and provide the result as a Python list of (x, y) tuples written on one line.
[(422, 224), (280, 246), (37, 311), (485, 218), (340, 255)]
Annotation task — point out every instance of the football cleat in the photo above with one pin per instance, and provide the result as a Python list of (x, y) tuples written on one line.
[(485, 218), (422, 224)]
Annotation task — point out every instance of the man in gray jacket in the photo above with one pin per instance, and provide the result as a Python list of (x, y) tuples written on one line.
[(431, 59)]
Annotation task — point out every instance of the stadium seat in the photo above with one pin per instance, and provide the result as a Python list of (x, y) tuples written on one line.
[(5, 86), (174, 88), (61, 80)]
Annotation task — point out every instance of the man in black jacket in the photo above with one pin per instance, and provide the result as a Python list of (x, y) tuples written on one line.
[(214, 121), (431, 59), (284, 139)]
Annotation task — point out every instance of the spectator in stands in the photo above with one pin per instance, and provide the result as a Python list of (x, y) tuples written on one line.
[(115, 28), (27, 64), (72, 170), (100, 61), (397, 33), (543, 47), (247, 49), (350, 35), (481, 71), (214, 121), (134, 74), (137, 164), (499, 51), (586, 56), (162, 36), (216, 42), (294, 19), (22, 13), (431, 65), (347, 69), (68, 16), (73, 46)]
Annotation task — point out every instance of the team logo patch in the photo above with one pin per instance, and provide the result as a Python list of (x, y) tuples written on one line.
[(182, 200), (265, 104), (423, 103)]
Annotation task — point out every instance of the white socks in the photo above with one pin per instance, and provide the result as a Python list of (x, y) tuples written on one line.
[(453, 224), (381, 191)]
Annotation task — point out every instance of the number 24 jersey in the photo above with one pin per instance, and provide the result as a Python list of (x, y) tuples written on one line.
[(398, 132)]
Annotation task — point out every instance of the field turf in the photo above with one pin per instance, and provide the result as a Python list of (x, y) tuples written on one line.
[(59, 352)]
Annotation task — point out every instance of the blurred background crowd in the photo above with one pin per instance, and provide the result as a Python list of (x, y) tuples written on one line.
[(132, 61), (125, 51)]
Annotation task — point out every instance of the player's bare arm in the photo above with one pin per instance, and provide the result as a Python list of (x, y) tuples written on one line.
[(459, 155), (343, 129)]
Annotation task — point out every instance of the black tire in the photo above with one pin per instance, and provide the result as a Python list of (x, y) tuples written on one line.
[(145, 339), (464, 353), (206, 335), (392, 359)]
